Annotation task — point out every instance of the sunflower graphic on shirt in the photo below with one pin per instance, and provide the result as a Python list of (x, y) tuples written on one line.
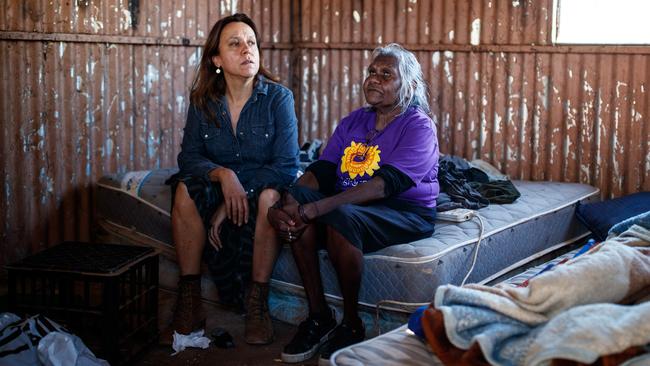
[(359, 159)]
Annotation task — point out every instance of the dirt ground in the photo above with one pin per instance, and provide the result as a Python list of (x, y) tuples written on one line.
[(241, 354)]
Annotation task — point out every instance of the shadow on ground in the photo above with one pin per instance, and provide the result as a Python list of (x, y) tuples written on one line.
[(241, 354)]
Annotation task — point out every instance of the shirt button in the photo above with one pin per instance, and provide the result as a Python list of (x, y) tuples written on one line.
[(237, 155), (266, 135), (206, 136), (241, 134)]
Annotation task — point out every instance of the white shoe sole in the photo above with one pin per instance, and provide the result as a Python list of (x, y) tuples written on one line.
[(299, 357)]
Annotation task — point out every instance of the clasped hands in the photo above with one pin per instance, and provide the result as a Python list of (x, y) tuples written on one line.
[(289, 218)]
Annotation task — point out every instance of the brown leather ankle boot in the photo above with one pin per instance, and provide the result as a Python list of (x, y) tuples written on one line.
[(259, 329), (188, 313)]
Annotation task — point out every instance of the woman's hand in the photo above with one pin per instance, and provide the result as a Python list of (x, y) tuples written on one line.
[(285, 219), (217, 220), (234, 196), (282, 222)]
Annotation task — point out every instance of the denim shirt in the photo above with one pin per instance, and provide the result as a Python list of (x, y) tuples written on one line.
[(263, 150)]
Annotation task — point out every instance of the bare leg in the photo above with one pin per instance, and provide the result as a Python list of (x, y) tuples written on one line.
[(266, 244), (305, 253), (348, 263), (188, 232), (189, 237), (259, 328)]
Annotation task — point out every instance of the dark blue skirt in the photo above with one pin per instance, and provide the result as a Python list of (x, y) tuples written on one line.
[(376, 225)]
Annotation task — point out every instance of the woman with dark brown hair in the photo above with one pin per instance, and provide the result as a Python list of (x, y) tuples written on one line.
[(239, 146)]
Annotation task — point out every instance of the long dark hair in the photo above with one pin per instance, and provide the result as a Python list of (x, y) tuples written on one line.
[(210, 86)]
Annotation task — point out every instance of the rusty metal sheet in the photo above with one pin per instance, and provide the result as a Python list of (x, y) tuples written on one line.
[(98, 87), (85, 107), (548, 116)]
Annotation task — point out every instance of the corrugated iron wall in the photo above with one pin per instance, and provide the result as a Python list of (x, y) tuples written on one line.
[(500, 91), (95, 87)]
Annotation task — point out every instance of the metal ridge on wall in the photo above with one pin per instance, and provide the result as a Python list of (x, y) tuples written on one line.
[(88, 94), (198, 42)]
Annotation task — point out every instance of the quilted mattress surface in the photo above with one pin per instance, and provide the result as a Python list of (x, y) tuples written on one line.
[(540, 221)]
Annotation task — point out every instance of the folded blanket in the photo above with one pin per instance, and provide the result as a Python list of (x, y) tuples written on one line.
[(552, 345), (573, 312), (586, 332), (641, 220)]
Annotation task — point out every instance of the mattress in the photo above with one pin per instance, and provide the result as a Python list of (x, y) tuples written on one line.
[(136, 205), (397, 347), (401, 347), (540, 221), (138, 202)]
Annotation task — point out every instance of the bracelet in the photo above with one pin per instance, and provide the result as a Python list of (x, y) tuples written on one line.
[(303, 215)]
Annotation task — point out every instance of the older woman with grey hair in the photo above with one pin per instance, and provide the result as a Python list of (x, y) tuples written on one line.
[(375, 185)]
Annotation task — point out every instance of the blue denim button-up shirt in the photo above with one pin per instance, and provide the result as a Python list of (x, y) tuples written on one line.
[(263, 150)]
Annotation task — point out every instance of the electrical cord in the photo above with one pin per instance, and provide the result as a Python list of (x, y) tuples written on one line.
[(381, 303), (478, 244)]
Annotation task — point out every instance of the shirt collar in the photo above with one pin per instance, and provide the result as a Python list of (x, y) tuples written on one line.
[(261, 86)]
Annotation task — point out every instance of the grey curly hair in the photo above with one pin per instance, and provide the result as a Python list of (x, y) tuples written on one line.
[(414, 90)]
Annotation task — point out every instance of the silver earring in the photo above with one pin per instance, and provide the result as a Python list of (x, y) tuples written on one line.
[(218, 70)]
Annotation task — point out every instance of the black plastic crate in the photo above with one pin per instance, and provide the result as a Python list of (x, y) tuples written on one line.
[(104, 293)]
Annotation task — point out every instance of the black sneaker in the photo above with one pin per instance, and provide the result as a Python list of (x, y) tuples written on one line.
[(312, 333), (344, 335)]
